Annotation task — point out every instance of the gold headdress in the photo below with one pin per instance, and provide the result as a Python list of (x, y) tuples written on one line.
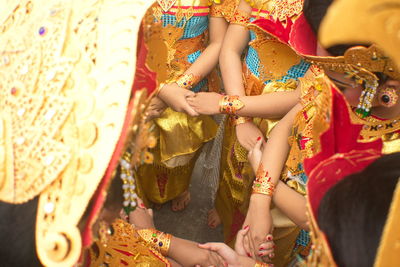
[(358, 21), (66, 71)]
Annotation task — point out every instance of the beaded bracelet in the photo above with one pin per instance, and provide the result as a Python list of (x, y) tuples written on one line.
[(156, 239), (230, 104), (236, 120)]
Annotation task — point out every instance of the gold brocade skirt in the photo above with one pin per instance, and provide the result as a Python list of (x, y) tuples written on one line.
[(179, 139)]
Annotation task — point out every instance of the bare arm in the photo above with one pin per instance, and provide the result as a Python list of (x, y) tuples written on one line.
[(292, 204), (188, 253), (209, 57), (236, 40)]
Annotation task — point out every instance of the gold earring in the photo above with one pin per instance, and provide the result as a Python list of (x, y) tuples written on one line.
[(388, 97)]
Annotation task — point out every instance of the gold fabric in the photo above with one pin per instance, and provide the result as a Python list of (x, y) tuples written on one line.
[(181, 134)]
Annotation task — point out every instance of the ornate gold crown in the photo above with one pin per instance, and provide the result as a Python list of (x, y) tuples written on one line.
[(66, 71), (358, 21), (363, 60)]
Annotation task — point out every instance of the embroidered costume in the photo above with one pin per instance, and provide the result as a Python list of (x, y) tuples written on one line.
[(269, 66), (174, 35)]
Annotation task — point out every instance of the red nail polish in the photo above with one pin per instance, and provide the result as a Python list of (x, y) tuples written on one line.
[(246, 227), (259, 138), (261, 248), (248, 254), (269, 238), (260, 254), (142, 205)]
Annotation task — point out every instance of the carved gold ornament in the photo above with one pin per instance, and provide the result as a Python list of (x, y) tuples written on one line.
[(66, 71)]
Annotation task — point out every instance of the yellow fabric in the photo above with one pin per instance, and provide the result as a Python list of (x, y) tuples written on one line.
[(180, 137), (181, 134)]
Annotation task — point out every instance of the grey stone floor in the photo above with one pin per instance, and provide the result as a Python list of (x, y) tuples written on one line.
[(191, 223)]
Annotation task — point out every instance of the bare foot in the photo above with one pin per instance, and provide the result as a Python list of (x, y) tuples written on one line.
[(213, 218), (181, 202)]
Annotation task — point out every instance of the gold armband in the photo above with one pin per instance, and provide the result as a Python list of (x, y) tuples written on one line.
[(230, 104), (262, 264), (158, 240), (240, 17), (263, 183), (236, 120), (187, 80)]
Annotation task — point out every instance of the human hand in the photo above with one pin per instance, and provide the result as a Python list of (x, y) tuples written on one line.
[(155, 109), (248, 134), (175, 97), (266, 249), (255, 155), (229, 256), (141, 217), (205, 103), (259, 222)]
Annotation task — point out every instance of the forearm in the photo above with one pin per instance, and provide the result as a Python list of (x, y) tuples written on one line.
[(273, 158), (292, 204), (206, 62), (187, 253), (272, 106)]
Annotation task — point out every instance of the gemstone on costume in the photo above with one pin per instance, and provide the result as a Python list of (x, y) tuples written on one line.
[(42, 31)]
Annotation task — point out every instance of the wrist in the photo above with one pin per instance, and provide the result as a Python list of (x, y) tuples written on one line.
[(230, 104)]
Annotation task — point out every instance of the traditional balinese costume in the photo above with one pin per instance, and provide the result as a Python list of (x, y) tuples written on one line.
[(174, 35), (269, 66)]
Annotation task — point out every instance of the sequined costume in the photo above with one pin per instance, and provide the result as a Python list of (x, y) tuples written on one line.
[(269, 66), (183, 28), (123, 246)]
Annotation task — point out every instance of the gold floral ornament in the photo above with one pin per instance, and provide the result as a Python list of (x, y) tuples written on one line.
[(66, 73)]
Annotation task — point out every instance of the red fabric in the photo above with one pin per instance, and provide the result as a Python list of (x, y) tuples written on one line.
[(144, 77), (298, 34), (341, 153)]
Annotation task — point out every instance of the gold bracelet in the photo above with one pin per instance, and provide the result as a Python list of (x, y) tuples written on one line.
[(262, 264), (236, 120), (263, 183), (187, 80), (230, 104), (158, 240)]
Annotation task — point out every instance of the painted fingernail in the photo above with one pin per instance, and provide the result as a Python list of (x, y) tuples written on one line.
[(260, 254), (259, 138), (261, 248), (246, 227), (248, 254), (271, 255), (225, 264), (269, 238), (142, 205)]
